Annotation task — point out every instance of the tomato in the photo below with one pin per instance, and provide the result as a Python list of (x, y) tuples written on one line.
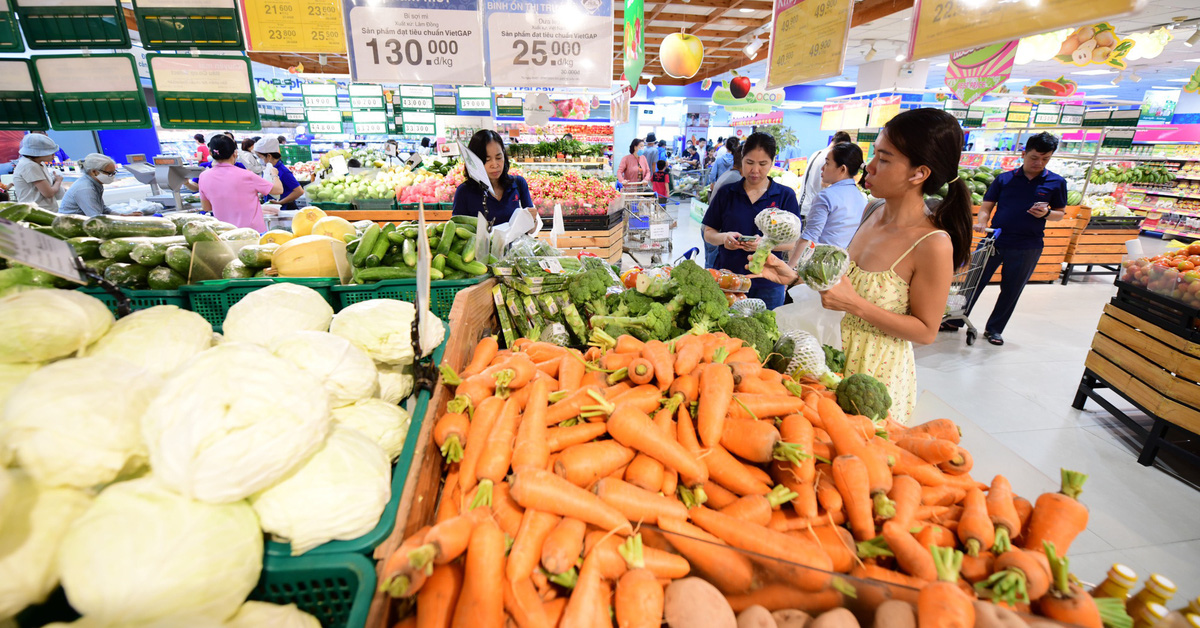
[(716, 274), (1193, 248), (1185, 266), (729, 281), (630, 278)]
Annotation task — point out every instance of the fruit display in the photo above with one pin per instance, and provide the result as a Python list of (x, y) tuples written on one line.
[(577, 194), (1174, 274), (368, 157), (305, 170), (1106, 206), (1113, 173), (385, 252), (347, 188)]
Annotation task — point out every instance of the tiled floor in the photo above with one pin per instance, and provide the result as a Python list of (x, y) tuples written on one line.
[(1014, 403)]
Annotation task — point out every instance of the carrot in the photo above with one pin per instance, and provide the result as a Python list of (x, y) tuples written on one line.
[(554, 610), (716, 392), (530, 447), (718, 496), (934, 534), (497, 455), (542, 490), (645, 472), (446, 541), (659, 355), (1003, 514), (685, 431), (632, 428), (907, 463), (543, 351), (836, 541), (756, 385), (523, 604), (1020, 576), (747, 371), (594, 378), (912, 557), (560, 438), (572, 406), (729, 472), (646, 398), (613, 361), (520, 342), (960, 464), (628, 344), (563, 545), (450, 434), (486, 415), (744, 354), (882, 574), (770, 543), (747, 406), (611, 392), (941, 495), (728, 569), (942, 604), (827, 492), (906, 493), (686, 385), (484, 351), (757, 508), (846, 439), (448, 507), (938, 428), (1058, 517), (571, 370), (931, 450), (481, 603), (583, 464), (975, 528), (1067, 602), (1024, 511), (637, 504), (708, 346), (688, 351), (549, 367), (641, 371), (587, 599), (437, 599), (638, 600), (978, 568), (805, 500), (507, 511), (398, 577), (779, 596), (527, 545), (850, 477), (749, 439), (513, 373), (618, 555)]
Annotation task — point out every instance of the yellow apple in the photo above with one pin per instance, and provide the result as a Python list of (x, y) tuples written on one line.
[(681, 55)]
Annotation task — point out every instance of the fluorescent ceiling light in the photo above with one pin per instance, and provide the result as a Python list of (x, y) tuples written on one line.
[(1095, 72), (941, 65), (1013, 80), (1182, 80), (901, 56), (746, 10), (1098, 86), (842, 84), (1191, 60), (1165, 87)]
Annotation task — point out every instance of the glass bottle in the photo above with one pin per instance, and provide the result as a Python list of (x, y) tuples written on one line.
[(1118, 584), (1158, 590)]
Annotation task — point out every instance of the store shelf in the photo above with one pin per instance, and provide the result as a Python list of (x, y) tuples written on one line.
[(1162, 210), (1167, 194), (1193, 235)]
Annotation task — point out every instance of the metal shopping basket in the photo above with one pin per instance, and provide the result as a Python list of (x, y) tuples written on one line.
[(647, 225), (966, 282)]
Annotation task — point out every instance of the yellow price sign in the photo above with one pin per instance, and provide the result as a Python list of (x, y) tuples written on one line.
[(285, 26), (947, 26), (808, 41)]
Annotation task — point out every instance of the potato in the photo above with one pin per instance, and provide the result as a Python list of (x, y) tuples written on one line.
[(791, 618), (836, 618), (990, 615), (694, 603), (756, 617), (895, 614)]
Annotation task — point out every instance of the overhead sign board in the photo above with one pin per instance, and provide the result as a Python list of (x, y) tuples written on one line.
[(293, 26), (416, 41), (94, 92), (22, 104), (187, 24), (204, 92), (808, 41), (565, 43)]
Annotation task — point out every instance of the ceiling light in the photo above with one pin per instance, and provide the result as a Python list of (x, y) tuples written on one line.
[(1191, 60), (1133, 76), (871, 53), (650, 84), (1194, 39), (1165, 87), (942, 64), (1117, 79), (1095, 72), (746, 10), (1013, 80), (842, 84), (1096, 86), (901, 56), (1182, 80)]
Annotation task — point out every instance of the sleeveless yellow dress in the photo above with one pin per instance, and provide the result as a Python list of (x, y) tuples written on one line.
[(871, 351)]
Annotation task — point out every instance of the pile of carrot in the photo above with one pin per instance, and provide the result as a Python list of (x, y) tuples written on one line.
[(579, 484)]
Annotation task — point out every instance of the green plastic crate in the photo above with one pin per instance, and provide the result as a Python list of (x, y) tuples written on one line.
[(10, 33), (139, 299), (441, 293), (212, 299), (335, 588), (331, 206), (375, 204)]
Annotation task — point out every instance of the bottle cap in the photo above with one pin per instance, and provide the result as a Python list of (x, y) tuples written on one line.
[(1124, 575), (1161, 586), (1154, 610)]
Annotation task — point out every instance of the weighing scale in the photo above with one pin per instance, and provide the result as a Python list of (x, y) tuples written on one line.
[(167, 172)]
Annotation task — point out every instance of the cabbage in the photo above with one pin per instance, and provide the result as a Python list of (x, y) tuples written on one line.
[(233, 421), (262, 614), (383, 328), (75, 422), (144, 553), (43, 325), (158, 339), (275, 310), (348, 373), (338, 494), (33, 521), (10, 376), (395, 382), (383, 422)]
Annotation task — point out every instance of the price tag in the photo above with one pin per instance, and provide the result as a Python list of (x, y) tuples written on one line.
[(510, 107), (373, 122), (660, 231), (445, 105), (324, 121), (418, 123), (1097, 117), (1018, 112), (475, 98), (956, 109), (884, 109), (416, 98), (1125, 117), (319, 96), (423, 41), (1072, 115), (974, 117), (294, 114), (551, 265), (1119, 138), (808, 41), (39, 251), (1047, 114), (566, 43), (294, 26), (366, 96)]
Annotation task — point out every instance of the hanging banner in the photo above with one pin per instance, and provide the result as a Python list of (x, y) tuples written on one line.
[(564, 43), (855, 114), (186, 24), (975, 72), (95, 92), (10, 33), (808, 41), (294, 26), (831, 116), (633, 53), (883, 109), (22, 110), (416, 41), (204, 92), (740, 95), (946, 26), (1098, 44), (1058, 88), (1158, 105)]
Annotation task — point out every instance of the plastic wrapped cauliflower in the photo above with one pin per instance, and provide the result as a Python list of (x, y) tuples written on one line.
[(779, 228), (799, 353), (747, 307), (825, 268)]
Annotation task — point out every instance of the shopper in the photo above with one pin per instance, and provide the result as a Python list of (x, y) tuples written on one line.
[(424, 149), (634, 169), (733, 175), (247, 158), (86, 196), (838, 209), (903, 257), (281, 139), (1024, 200), (691, 158), (232, 193), (267, 150), (509, 192), (660, 181), (202, 153), (729, 221), (812, 173), (33, 181), (663, 153), (723, 162)]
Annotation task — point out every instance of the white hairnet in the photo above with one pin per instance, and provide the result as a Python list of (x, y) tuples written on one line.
[(267, 145)]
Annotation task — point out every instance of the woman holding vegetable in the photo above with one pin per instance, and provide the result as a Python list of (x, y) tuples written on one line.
[(232, 193), (267, 150), (903, 257), (729, 222), (508, 194)]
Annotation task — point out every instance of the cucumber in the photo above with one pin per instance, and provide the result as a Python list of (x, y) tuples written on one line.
[(199, 231), (257, 255), (164, 278), (433, 243), (148, 254), (468, 249), (408, 250), (244, 233), (120, 248), (236, 270), (391, 259), (365, 246), (435, 274), (473, 268), (452, 273), (106, 227), (411, 232), (439, 262), (182, 218), (15, 212), (98, 266), (220, 226), (127, 275), (44, 230), (39, 216), (462, 233), (466, 220), (447, 238), (380, 273), (262, 272), (382, 243), (85, 247), (397, 237), (70, 225), (352, 246), (179, 258)]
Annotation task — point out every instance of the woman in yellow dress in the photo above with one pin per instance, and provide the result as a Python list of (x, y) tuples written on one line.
[(904, 255)]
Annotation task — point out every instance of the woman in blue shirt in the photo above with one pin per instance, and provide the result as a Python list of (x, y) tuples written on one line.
[(509, 193), (267, 151), (838, 209), (729, 222)]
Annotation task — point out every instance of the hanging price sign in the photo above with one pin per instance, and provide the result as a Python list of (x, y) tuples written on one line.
[(294, 26), (567, 43), (419, 41), (445, 105), (1018, 112), (510, 107), (1072, 115), (1047, 114), (417, 123), (319, 96), (475, 99), (324, 121), (415, 98), (366, 96), (808, 41), (294, 114), (370, 122)]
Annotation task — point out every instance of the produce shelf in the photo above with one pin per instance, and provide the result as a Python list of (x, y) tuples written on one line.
[(212, 299), (441, 293), (139, 299), (1170, 194), (334, 588)]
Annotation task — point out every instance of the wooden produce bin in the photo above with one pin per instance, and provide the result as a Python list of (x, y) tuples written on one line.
[(1099, 241), (608, 244), (385, 216), (1056, 243)]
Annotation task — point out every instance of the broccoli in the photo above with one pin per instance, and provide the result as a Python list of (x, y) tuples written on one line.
[(588, 289), (766, 318), (835, 359), (695, 288), (862, 394), (629, 303), (656, 323), (749, 329)]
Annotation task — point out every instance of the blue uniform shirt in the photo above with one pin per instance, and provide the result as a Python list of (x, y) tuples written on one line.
[(469, 199), (731, 210), (1014, 193), (835, 214), (288, 180)]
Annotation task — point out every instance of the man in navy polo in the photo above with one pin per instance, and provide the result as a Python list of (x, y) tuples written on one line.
[(1024, 200)]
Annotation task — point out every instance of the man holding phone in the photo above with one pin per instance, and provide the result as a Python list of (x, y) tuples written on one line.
[(1024, 200)]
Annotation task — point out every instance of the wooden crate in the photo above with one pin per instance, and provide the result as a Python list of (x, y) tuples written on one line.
[(607, 244), (1097, 245), (1056, 245), (386, 216)]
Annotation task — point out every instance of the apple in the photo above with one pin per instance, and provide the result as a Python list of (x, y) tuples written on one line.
[(739, 86), (681, 55)]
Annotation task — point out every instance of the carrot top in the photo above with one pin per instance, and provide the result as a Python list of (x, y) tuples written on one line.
[(1072, 483), (948, 562)]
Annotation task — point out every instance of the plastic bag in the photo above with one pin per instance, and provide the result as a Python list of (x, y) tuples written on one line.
[(748, 307), (825, 267), (807, 314), (779, 228), (556, 333)]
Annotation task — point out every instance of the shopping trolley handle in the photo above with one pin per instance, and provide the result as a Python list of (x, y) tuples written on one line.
[(688, 254)]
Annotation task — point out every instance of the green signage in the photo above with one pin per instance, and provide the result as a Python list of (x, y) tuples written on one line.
[(324, 121), (1047, 114), (20, 102), (1018, 112), (633, 53), (187, 24), (86, 93), (417, 123), (1097, 117), (510, 107), (73, 24), (319, 95), (974, 117), (10, 33), (204, 91), (1118, 138), (415, 98), (1125, 117), (371, 122), (445, 105), (366, 96)]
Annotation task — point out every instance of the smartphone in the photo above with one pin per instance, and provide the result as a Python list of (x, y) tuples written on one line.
[(747, 238)]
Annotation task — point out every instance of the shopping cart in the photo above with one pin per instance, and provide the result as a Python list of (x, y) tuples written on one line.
[(966, 282), (647, 225)]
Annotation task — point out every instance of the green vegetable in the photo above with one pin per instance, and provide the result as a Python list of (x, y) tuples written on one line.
[(127, 275), (439, 262), (199, 231), (120, 248), (381, 245), (462, 233), (835, 359), (408, 249), (396, 237), (365, 246), (148, 255), (105, 227), (15, 212), (862, 394), (98, 266), (447, 238), (589, 290), (181, 219), (70, 225), (506, 325), (433, 243), (698, 296), (41, 217), (179, 258), (474, 268), (453, 273), (825, 268), (86, 247), (575, 322), (235, 269), (466, 220), (244, 233), (257, 255), (655, 324), (468, 249), (380, 273), (164, 278), (759, 330)]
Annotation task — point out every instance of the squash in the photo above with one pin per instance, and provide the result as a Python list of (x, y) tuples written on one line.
[(303, 221), (334, 227), (276, 236), (309, 256)]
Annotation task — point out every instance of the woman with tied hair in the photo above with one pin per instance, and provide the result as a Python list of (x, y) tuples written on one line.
[(232, 194), (86, 196)]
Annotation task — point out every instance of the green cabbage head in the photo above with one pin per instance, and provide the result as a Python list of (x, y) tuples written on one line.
[(43, 325), (383, 422), (275, 310), (159, 339), (348, 373)]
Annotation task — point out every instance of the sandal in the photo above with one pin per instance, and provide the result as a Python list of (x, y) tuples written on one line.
[(994, 339)]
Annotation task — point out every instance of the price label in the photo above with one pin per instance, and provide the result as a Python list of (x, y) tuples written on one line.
[(1097, 117), (39, 251), (565, 43), (1047, 114), (510, 107), (956, 109), (415, 98), (1018, 112), (475, 98), (1122, 138), (445, 105), (808, 41), (374, 122), (325, 128), (423, 41), (1125, 117), (660, 231), (294, 26), (294, 114), (417, 123), (1072, 115), (366, 96), (319, 96)]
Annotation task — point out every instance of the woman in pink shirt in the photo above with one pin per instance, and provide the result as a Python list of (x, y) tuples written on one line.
[(232, 193), (633, 169)]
